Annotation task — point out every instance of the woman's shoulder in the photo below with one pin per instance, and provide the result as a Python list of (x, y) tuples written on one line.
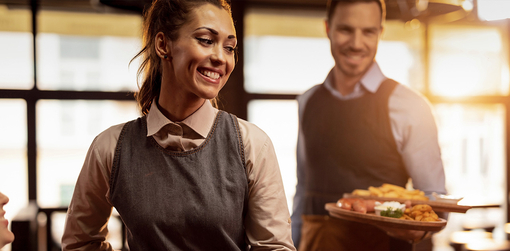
[(260, 155), (102, 151), (250, 131), (254, 138), (106, 141)]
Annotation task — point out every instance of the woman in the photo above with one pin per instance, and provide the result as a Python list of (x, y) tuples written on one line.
[(185, 176), (6, 236)]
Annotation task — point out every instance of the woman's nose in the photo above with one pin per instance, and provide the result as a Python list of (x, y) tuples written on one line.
[(218, 55)]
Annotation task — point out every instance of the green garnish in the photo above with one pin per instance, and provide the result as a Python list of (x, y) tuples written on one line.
[(392, 213)]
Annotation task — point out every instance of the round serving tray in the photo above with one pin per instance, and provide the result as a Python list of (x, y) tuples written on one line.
[(384, 222)]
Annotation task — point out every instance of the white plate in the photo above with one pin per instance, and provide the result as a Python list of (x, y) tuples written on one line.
[(446, 198)]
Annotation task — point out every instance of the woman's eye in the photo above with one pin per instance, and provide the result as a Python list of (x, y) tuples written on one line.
[(204, 40), (230, 49)]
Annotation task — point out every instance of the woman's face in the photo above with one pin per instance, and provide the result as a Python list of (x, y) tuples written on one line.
[(202, 57), (6, 236)]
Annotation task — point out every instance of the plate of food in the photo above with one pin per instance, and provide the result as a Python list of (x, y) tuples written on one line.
[(417, 217), (401, 221), (390, 192), (414, 223)]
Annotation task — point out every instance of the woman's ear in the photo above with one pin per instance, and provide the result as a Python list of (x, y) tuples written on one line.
[(162, 45)]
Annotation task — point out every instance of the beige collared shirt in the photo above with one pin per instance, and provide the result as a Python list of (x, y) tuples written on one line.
[(267, 221)]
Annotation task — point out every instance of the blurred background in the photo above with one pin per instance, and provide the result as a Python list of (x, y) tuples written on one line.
[(66, 75)]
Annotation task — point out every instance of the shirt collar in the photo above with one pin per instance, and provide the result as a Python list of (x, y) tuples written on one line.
[(373, 78), (200, 121), (370, 81)]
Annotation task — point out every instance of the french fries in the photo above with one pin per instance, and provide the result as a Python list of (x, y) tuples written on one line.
[(391, 191), (421, 212)]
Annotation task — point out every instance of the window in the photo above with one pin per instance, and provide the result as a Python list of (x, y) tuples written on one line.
[(286, 52), (84, 85), (66, 129), (13, 152), (468, 60), (16, 69), (16, 62), (88, 51)]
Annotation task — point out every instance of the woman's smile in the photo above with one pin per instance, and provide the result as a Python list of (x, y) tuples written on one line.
[(209, 74)]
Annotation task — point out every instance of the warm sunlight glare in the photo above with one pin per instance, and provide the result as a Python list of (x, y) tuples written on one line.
[(467, 5), (493, 9), (468, 61), (460, 75)]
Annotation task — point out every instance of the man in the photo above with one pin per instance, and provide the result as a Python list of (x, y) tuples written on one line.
[(358, 129)]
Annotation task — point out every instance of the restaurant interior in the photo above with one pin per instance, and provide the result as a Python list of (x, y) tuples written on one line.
[(66, 75)]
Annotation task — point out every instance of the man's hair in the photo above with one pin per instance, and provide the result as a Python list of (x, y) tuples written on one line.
[(333, 3)]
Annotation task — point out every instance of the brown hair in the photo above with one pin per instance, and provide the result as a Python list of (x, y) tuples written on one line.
[(166, 16), (330, 9)]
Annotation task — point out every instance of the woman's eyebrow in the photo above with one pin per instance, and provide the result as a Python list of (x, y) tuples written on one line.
[(215, 32)]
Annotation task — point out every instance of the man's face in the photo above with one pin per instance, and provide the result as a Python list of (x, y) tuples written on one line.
[(354, 31)]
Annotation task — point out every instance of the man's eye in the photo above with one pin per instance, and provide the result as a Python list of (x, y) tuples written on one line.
[(370, 32), (204, 40), (345, 30)]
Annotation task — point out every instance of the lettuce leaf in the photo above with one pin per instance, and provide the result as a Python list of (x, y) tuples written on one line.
[(389, 212)]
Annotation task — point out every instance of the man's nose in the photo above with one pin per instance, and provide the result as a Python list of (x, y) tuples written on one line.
[(357, 40)]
